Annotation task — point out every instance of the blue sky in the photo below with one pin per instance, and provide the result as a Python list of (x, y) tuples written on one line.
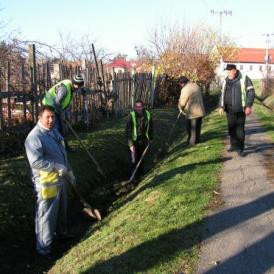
[(119, 25)]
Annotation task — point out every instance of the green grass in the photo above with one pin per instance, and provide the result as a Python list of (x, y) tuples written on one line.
[(266, 116), (17, 199), (156, 228)]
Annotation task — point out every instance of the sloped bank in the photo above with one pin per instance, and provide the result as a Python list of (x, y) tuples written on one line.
[(108, 146), (155, 228)]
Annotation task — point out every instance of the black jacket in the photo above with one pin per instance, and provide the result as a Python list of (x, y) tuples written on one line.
[(142, 123), (234, 98)]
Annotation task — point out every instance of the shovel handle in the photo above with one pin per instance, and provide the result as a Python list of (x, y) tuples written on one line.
[(83, 146), (171, 132), (138, 164)]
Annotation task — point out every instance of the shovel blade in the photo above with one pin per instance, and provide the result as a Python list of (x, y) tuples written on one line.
[(93, 213)]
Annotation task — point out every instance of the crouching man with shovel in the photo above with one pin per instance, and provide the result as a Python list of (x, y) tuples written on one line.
[(139, 133), (47, 157)]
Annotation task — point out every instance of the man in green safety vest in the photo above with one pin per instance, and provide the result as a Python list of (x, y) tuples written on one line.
[(139, 132), (60, 97), (236, 100)]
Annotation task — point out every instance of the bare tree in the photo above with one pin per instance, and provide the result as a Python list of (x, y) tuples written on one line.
[(191, 51)]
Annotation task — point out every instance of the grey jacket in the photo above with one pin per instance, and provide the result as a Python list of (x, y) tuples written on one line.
[(45, 149), (61, 93), (240, 98)]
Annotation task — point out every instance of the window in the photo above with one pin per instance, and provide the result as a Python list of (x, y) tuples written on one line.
[(269, 68), (250, 68), (260, 68), (241, 67)]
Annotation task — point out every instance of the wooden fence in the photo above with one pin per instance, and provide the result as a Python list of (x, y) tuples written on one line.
[(23, 85)]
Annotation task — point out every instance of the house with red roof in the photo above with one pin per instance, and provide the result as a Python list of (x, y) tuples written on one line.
[(120, 65), (251, 61)]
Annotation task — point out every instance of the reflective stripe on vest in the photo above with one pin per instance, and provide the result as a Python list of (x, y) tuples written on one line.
[(134, 133), (243, 91), (50, 96)]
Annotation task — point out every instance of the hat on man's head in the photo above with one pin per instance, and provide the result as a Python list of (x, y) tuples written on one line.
[(183, 80), (78, 80), (230, 67)]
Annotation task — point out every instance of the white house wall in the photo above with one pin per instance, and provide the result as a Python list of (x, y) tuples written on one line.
[(253, 70)]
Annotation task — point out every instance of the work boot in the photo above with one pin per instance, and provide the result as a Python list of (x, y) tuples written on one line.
[(47, 254), (241, 153), (230, 149)]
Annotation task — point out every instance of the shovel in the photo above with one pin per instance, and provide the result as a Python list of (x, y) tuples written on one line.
[(88, 210), (173, 128), (83, 146), (125, 183), (138, 164)]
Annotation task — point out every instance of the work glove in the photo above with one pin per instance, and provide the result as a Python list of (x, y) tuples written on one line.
[(132, 154), (62, 169), (132, 148), (221, 111), (71, 177)]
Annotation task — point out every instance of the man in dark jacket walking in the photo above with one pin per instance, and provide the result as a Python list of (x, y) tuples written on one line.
[(139, 132), (236, 100)]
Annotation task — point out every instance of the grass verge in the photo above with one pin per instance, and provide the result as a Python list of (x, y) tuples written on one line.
[(266, 116), (17, 199), (156, 228)]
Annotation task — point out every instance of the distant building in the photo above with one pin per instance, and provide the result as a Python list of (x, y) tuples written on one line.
[(120, 65), (250, 61)]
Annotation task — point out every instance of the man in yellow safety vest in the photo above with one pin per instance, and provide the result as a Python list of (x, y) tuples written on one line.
[(139, 132), (236, 100), (60, 97)]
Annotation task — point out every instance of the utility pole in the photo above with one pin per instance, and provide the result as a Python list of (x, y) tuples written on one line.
[(221, 13), (267, 43), (267, 56)]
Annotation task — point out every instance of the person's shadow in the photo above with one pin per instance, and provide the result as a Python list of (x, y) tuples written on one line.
[(259, 256)]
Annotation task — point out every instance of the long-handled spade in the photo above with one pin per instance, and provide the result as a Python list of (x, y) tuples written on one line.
[(166, 144), (84, 147), (88, 210), (125, 183)]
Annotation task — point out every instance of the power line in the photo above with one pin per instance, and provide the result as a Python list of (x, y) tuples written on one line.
[(221, 13)]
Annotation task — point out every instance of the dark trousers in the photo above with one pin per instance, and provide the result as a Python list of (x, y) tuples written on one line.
[(193, 127), (139, 149), (236, 129)]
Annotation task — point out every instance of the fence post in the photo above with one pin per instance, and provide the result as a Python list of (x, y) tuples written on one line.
[(8, 93), (48, 76), (32, 63), (154, 76), (1, 112)]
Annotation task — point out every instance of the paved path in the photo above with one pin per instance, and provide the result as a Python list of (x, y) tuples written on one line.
[(239, 236)]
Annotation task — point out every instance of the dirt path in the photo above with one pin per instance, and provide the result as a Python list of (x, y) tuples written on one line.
[(239, 236)]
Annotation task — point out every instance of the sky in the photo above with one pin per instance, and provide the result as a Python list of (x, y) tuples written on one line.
[(120, 25)]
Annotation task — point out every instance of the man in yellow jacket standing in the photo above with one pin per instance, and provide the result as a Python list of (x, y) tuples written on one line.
[(47, 157), (191, 103)]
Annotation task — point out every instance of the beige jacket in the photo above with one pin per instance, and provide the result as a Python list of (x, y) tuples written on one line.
[(191, 101)]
